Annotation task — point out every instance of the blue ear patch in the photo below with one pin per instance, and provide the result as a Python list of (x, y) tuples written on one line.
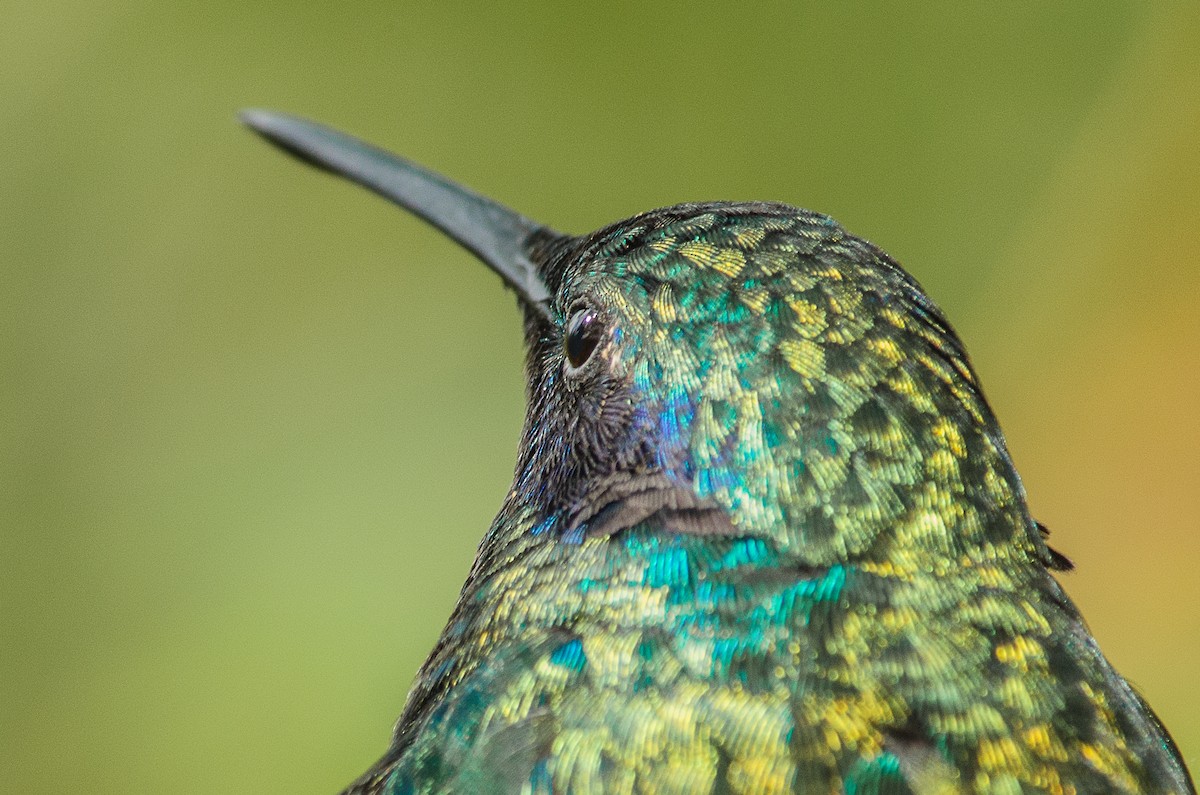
[(674, 426)]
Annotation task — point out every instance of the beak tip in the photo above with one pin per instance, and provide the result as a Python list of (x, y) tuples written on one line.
[(269, 124), (256, 118), (296, 136)]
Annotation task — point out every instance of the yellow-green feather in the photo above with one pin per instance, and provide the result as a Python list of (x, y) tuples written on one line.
[(842, 590)]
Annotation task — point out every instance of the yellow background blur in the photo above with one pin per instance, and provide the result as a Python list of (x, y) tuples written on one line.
[(254, 420)]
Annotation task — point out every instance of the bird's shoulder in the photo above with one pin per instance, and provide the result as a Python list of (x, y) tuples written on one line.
[(707, 663)]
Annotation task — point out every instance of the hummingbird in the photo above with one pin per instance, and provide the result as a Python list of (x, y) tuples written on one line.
[(764, 533)]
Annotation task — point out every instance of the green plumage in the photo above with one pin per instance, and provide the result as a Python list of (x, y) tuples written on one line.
[(765, 537)]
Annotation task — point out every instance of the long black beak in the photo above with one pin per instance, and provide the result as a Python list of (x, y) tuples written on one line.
[(494, 233)]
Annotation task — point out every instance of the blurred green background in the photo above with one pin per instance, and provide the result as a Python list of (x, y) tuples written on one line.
[(254, 420)]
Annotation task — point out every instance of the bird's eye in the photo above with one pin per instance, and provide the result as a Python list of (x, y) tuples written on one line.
[(583, 335)]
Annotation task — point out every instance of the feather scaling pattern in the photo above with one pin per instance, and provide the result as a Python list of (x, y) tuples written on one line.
[(766, 538)]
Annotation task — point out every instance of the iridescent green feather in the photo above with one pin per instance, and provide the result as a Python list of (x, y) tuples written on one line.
[(875, 613), (764, 533)]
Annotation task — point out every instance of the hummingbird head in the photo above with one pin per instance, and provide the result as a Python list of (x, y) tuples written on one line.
[(744, 369)]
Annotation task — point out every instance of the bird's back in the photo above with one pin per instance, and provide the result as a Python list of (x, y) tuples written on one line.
[(657, 662)]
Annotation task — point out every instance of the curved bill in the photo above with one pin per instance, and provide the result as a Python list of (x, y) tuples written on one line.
[(494, 233)]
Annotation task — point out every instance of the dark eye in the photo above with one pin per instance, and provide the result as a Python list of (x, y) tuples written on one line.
[(583, 335)]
